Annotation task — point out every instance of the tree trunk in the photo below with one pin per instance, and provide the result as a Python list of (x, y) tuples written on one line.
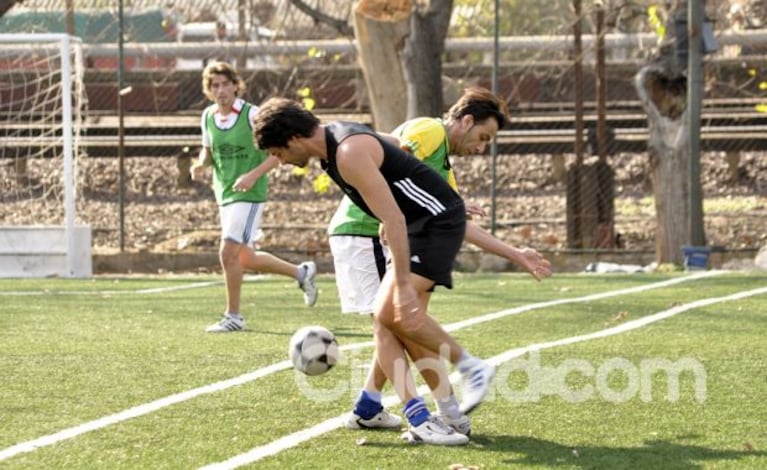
[(6, 5), (381, 28), (664, 100), (422, 58)]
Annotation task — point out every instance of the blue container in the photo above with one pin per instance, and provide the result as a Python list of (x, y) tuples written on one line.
[(695, 257)]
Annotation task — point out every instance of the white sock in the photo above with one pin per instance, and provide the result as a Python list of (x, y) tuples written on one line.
[(448, 407), (466, 362)]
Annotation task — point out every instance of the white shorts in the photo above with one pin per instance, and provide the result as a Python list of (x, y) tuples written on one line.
[(360, 263), (241, 222)]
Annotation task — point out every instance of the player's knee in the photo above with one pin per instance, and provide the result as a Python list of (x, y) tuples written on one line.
[(385, 320), (385, 336), (406, 326), (228, 254)]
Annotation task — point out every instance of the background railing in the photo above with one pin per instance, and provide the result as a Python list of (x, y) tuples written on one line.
[(165, 211)]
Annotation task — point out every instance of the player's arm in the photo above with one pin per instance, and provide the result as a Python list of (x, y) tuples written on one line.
[(204, 159), (359, 158), (526, 258), (247, 180)]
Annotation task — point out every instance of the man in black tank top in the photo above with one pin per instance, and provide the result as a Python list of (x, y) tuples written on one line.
[(422, 219)]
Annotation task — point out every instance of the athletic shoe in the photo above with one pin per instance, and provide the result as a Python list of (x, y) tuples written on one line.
[(476, 385), (382, 420), (308, 286), (434, 431), (227, 325), (461, 424)]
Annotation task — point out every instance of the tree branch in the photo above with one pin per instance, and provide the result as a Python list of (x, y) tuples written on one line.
[(6, 5), (339, 25)]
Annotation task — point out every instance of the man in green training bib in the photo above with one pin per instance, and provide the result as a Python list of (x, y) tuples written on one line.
[(240, 185)]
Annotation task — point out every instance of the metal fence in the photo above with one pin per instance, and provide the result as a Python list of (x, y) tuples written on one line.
[(281, 51)]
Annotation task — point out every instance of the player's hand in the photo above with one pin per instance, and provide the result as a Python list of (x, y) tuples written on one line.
[(408, 311), (382, 235), (196, 171), (473, 209), (534, 262), (244, 183)]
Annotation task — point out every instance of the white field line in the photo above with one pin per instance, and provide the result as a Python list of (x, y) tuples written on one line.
[(588, 298), (304, 435), (155, 290), (140, 410), (160, 290), (146, 408)]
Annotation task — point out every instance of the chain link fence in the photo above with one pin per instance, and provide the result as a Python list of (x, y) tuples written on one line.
[(281, 50)]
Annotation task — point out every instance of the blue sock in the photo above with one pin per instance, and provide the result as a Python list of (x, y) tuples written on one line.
[(416, 411), (368, 405)]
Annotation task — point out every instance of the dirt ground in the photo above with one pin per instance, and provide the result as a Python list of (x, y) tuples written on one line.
[(160, 216)]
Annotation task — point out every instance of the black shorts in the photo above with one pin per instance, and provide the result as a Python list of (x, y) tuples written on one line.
[(434, 245)]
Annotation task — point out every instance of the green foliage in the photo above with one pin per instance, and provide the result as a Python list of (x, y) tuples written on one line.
[(532, 17), (516, 17), (667, 268)]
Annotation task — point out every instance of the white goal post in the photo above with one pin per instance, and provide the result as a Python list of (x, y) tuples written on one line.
[(42, 103)]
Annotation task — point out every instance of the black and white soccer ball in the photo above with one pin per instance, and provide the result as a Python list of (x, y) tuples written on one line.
[(313, 350)]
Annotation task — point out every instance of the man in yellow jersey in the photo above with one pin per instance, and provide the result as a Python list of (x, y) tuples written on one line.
[(240, 185), (359, 256)]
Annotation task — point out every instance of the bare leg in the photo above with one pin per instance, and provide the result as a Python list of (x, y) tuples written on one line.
[(376, 378), (434, 371), (237, 258), (430, 365), (264, 262), (393, 361), (229, 253), (432, 368), (429, 334)]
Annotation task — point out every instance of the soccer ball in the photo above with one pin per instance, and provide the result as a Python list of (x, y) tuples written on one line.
[(313, 350)]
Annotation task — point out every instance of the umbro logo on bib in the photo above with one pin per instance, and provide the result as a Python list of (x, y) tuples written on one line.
[(415, 259)]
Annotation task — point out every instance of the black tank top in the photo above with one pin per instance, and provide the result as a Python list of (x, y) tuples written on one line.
[(419, 191)]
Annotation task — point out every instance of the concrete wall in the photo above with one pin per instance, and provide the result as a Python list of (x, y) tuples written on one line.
[(41, 251)]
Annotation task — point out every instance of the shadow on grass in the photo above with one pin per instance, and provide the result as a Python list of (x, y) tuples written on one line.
[(654, 454)]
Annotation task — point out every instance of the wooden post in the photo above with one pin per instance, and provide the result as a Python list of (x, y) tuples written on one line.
[(733, 163), (558, 169), (184, 163), (20, 167)]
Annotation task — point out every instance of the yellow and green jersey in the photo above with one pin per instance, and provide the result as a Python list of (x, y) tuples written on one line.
[(424, 138)]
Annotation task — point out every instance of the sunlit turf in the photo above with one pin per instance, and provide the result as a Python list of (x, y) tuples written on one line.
[(73, 351)]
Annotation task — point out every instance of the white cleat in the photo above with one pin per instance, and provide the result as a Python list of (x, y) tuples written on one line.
[(382, 420), (476, 385), (227, 324), (461, 424), (308, 286), (434, 431)]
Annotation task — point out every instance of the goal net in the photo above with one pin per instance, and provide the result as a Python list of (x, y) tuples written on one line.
[(42, 107)]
